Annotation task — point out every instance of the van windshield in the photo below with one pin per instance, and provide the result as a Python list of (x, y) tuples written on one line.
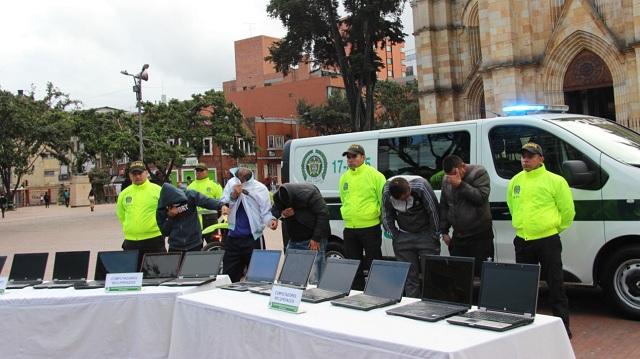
[(618, 142)]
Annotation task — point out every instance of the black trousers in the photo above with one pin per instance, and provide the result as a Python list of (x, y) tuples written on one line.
[(237, 255), (478, 246), (548, 252), (412, 287), (358, 239), (150, 245)]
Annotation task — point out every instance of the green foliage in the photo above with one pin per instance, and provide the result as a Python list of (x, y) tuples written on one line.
[(30, 128), (397, 104), (327, 119), (316, 32)]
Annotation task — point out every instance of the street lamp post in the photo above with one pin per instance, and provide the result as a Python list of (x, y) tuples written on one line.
[(137, 88)]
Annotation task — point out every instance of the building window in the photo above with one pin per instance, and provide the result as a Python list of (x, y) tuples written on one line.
[(389, 61), (390, 73), (388, 48), (207, 146), (245, 146), (49, 173), (275, 142), (335, 91)]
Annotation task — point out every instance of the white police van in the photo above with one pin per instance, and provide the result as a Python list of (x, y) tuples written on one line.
[(599, 158)]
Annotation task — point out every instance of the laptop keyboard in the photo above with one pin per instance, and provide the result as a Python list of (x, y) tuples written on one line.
[(493, 316), (364, 300)]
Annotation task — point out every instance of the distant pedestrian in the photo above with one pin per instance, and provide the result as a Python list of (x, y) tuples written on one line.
[(92, 199), (41, 200), (3, 203), (47, 200), (66, 197)]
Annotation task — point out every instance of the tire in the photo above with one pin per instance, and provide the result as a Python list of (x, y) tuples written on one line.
[(621, 280), (334, 250)]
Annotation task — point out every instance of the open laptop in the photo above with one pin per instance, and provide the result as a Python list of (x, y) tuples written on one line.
[(262, 270), (447, 289), (385, 285), (3, 259), (27, 269), (295, 270), (198, 268), (69, 268), (111, 262), (336, 281), (158, 268), (508, 297)]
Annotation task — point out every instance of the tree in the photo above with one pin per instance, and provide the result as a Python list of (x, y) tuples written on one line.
[(397, 104), (315, 32), (30, 128), (326, 119)]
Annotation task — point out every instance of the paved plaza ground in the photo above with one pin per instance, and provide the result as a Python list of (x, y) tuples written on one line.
[(598, 331)]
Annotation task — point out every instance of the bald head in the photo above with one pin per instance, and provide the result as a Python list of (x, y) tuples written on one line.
[(243, 174)]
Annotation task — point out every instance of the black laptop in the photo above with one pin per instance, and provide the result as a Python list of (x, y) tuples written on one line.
[(385, 285), (69, 268), (158, 268), (447, 289), (336, 281), (295, 270), (111, 262), (3, 260), (262, 270), (27, 269), (198, 268), (508, 297)]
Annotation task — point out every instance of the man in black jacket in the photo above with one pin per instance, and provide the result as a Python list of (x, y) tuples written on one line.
[(177, 217), (464, 205), (305, 220)]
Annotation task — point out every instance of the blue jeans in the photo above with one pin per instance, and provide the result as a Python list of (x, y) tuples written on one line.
[(318, 265)]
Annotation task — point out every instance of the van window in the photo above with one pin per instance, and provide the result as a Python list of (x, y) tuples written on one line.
[(422, 155), (506, 142)]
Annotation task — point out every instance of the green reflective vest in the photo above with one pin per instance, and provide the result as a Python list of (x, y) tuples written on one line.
[(136, 210), (361, 196)]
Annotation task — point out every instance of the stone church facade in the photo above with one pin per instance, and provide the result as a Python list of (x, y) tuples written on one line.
[(476, 56)]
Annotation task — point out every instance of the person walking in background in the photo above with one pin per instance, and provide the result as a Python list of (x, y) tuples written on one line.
[(92, 199), (136, 211), (3, 203), (66, 196), (249, 210), (410, 214), (41, 199), (361, 197), (541, 206), (47, 200), (305, 221), (464, 205)]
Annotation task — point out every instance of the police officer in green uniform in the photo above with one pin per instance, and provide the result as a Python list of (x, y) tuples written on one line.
[(136, 211), (541, 207), (361, 197), (209, 188)]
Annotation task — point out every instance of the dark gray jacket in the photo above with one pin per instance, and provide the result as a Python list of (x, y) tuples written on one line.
[(184, 230), (466, 208), (311, 219), (418, 226)]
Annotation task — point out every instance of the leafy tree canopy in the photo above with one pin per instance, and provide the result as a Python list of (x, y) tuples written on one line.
[(397, 104)]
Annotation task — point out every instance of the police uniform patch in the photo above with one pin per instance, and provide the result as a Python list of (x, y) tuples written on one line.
[(345, 186), (208, 189), (516, 189), (128, 200)]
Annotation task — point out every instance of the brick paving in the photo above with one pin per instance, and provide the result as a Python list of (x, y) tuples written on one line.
[(598, 331)]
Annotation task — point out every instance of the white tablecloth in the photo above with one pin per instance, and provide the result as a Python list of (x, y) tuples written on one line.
[(89, 323), (239, 325)]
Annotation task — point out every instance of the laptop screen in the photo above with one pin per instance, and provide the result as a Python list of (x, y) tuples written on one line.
[(28, 266), (338, 274), (386, 279), (164, 265), (115, 262), (71, 265), (3, 259), (509, 287), (201, 264), (297, 266), (263, 265), (448, 279)]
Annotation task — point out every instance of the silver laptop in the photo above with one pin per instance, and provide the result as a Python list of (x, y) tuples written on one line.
[(336, 281), (198, 268), (158, 268), (447, 289), (111, 262), (385, 285), (262, 270), (69, 268), (295, 271), (27, 269), (508, 297)]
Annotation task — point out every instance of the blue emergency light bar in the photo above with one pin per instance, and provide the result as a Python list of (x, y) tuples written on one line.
[(530, 109)]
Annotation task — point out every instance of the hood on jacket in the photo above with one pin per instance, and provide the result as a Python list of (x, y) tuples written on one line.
[(169, 194), (281, 197)]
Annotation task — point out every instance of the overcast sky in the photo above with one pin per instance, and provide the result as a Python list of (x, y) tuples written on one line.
[(82, 45)]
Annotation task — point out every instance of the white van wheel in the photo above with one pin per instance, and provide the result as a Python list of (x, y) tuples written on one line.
[(622, 280)]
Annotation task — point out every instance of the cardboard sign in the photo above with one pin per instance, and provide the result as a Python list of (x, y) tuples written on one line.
[(118, 282), (286, 299)]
